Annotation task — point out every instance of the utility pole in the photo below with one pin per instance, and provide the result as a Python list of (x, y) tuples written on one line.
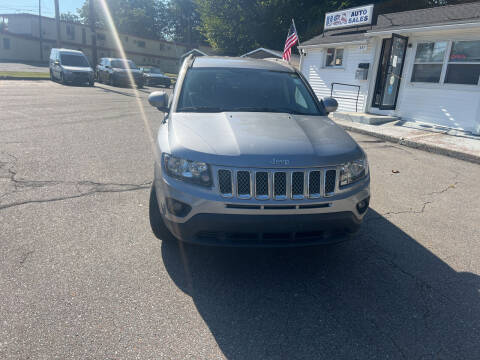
[(57, 19), (40, 28), (91, 17)]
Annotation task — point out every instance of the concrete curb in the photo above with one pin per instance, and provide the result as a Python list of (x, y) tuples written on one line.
[(22, 78), (415, 144)]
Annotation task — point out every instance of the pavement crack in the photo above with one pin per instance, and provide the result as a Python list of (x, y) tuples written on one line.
[(25, 256), (411, 211), (451, 186), (83, 187), (391, 338), (97, 188)]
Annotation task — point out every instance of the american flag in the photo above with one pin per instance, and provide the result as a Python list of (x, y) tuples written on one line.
[(292, 39)]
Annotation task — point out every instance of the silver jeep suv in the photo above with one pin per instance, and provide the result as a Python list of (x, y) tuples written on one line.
[(247, 156)]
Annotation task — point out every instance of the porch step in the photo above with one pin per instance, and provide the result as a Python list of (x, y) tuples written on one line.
[(363, 118)]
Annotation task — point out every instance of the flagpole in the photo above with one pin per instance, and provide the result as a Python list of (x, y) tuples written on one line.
[(298, 37)]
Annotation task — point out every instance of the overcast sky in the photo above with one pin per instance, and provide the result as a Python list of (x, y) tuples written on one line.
[(31, 6)]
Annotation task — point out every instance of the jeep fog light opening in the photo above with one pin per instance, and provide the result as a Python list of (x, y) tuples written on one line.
[(177, 208)]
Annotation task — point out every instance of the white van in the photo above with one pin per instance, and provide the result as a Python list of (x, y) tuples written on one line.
[(70, 66)]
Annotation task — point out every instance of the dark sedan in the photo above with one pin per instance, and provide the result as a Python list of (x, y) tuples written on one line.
[(153, 76), (119, 72)]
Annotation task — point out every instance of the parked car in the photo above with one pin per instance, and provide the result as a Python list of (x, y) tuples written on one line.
[(116, 72), (153, 76), (70, 66), (248, 156)]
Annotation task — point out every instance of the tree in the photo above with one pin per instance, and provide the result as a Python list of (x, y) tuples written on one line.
[(70, 17), (237, 26), (185, 21), (146, 18)]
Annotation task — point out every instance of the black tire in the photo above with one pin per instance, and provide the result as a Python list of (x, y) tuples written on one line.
[(91, 83), (156, 221), (140, 86), (99, 78), (112, 81), (62, 79), (51, 76)]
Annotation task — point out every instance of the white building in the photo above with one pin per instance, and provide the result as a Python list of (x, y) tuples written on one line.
[(20, 41), (421, 65)]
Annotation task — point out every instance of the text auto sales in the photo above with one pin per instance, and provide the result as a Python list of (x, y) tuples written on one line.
[(356, 16)]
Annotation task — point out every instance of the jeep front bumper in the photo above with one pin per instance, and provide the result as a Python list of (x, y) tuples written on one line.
[(207, 218)]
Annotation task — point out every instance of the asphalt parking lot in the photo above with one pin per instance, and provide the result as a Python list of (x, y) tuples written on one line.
[(83, 277)]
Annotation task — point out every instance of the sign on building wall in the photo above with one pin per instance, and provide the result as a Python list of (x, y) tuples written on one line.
[(349, 17)]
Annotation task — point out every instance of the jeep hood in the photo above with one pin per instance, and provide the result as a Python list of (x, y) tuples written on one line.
[(252, 139)]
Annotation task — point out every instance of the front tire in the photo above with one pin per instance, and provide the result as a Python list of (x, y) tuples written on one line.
[(156, 221), (62, 79)]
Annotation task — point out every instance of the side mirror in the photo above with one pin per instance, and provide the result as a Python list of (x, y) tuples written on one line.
[(330, 104), (159, 99)]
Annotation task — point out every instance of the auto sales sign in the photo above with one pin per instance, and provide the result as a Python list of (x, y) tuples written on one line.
[(349, 17)]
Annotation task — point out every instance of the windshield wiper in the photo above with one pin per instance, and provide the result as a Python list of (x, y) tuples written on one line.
[(200, 109)]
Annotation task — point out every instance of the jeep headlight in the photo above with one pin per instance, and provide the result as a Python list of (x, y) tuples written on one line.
[(196, 172), (353, 171)]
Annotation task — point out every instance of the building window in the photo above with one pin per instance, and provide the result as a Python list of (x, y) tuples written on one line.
[(141, 43), (6, 43), (334, 57), (460, 66), (464, 63), (70, 32), (429, 62), (3, 24), (100, 36)]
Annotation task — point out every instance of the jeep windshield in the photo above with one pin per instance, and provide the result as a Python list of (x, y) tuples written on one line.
[(74, 60), (245, 90)]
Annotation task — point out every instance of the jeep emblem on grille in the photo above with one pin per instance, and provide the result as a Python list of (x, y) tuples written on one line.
[(280, 162)]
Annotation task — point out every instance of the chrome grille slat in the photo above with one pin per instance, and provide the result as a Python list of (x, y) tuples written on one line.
[(314, 184), (298, 184), (244, 190), (280, 185), (330, 182), (266, 184), (225, 182), (262, 185)]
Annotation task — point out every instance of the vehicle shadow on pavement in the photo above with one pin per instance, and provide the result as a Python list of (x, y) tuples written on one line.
[(382, 295)]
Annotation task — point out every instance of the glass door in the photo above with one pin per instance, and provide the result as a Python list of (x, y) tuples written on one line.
[(390, 72)]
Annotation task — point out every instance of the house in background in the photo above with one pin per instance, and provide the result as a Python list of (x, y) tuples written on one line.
[(195, 52), (20, 41), (421, 65), (263, 53)]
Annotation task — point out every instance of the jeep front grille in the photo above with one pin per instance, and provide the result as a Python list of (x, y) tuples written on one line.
[(277, 184)]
